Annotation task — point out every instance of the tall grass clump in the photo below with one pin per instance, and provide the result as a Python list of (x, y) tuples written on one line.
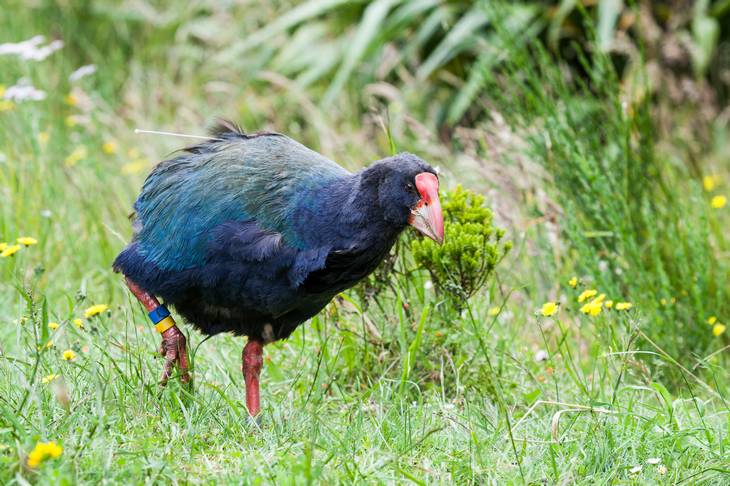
[(634, 224)]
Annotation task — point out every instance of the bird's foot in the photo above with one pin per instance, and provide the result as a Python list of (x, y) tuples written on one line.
[(174, 350)]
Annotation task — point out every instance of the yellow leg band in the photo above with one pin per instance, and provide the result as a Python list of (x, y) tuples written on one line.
[(165, 324)]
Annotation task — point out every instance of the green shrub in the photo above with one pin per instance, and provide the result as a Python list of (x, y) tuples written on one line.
[(472, 247)]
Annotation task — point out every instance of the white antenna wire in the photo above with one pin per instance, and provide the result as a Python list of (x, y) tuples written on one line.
[(172, 134)]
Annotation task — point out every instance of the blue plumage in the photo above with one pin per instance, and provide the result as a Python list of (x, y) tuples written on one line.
[(245, 231)]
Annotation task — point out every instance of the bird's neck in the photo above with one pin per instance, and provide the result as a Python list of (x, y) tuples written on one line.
[(348, 213)]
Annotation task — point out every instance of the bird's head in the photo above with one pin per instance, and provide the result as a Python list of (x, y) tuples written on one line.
[(408, 194)]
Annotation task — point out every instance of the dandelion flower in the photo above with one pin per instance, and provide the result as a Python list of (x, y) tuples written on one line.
[(592, 308), (77, 155), (109, 147), (78, 323), (10, 251), (718, 329), (95, 310), (718, 202), (43, 138), (494, 311), (587, 294), (49, 344), (573, 282), (43, 451), (608, 304), (69, 355), (711, 320), (27, 241), (548, 309), (709, 182), (53, 326), (6, 105), (134, 167), (624, 306), (49, 378)]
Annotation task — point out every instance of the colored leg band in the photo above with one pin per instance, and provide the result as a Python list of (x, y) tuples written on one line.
[(164, 324), (161, 318), (158, 314)]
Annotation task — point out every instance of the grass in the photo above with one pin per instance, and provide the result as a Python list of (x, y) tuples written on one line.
[(402, 388)]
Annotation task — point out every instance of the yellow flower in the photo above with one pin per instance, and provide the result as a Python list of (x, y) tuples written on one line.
[(109, 147), (69, 355), (573, 282), (623, 306), (494, 311), (53, 326), (549, 308), (74, 157), (10, 251), (43, 451), (70, 121), (718, 202), (49, 344), (3, 246), (27, 241), (71, 100), (587, 294), (6, 105), (663, 301), (78, 323), (709, 182), (43, 138), (711, 320), (592, 308), (134, 167), (49, 378), (95, 310), (608, 304), (718, 329)]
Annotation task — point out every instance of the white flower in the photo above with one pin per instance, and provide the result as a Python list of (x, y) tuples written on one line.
[(541, 356), (428, 284), (636, 469), (24, 91), (81, 72), (653, 460), (31, 49)]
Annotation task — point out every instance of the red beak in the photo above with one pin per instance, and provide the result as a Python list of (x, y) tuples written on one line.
[(426, 216)]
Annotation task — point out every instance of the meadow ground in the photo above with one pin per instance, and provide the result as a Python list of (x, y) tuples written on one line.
[(395, 389)]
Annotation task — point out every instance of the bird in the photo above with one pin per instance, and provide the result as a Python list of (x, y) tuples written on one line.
[(254, 234)]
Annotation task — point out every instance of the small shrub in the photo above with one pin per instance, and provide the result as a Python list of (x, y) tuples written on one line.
[(472, 247)]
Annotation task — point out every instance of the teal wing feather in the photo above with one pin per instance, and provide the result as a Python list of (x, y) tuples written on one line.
[(259, 178)]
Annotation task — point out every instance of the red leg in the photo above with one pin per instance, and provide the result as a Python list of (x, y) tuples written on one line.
[(253, 361), (173, 346)]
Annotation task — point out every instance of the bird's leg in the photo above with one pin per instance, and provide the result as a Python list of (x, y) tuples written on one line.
[(253, 361), (173, 346)]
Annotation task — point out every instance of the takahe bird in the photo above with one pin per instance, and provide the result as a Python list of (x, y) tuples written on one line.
[(255, 234)]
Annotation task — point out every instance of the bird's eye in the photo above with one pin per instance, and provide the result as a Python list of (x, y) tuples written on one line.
[(409, 187)]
